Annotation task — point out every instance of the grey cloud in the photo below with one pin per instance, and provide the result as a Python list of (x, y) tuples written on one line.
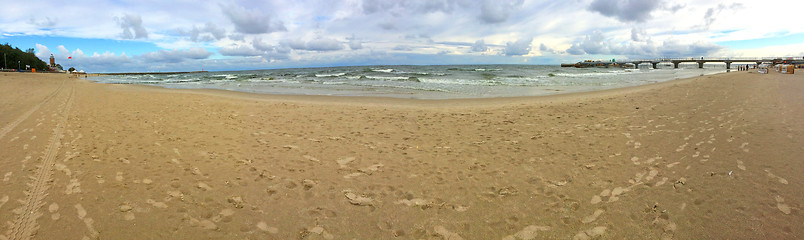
[(638, 35), (675, 48), (324, 44), (45, 23), (251, 21), (373, 6), (712, 13), (591, 44), (479, 46), (237, 37), (239, 51), (319, 44), (174, 56), (421, 6), (207, 33), (596, 43), (260, 45), (545, 49), (675, 8), (355, 44), (129, 23), (297, 44), (403, 48), (497, 11), (257, 48), (387, 26), (625, 10), (518, 48)]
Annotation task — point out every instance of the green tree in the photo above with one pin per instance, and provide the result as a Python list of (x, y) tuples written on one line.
[(72, 69), (14, 58)]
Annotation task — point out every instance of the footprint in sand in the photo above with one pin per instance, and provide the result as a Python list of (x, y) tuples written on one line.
[(635, 160), (156, 204), (365, 171), (781, 205), (344, 162), (593, 217), (204, 186), (53, 208), (73, 187), (598, 198), (681, 148), (320, 231), (3, 200), (81, 211), (780, 179), (740, 165), (671, 165), (590, 233), (358, 200), (616, 192), (743, 147), (7, 176), (527, 233), (661, 182), (311, 158), (416, 202), (446, 234), (262, 226), (119, 177)]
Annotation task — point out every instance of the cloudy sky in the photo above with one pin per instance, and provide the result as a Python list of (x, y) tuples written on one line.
[(186, 35)]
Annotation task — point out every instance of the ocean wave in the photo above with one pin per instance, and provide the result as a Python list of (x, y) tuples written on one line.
[(330, 75), (389, 78), (592, 74), (383, 70)]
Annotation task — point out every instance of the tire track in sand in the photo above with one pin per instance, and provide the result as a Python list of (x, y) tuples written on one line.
[(25, 225), (25, 115)]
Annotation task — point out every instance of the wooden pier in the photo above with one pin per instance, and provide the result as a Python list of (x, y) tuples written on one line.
[(677, 61)]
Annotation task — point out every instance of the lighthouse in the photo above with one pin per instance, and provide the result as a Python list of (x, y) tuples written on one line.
[(52, 63)]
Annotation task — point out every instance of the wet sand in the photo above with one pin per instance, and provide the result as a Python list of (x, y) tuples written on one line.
[(714, 157)]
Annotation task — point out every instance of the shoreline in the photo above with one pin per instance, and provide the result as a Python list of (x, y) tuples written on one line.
[(380, 100)]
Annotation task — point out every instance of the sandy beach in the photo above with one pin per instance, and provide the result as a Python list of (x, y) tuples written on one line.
[(713, 157)]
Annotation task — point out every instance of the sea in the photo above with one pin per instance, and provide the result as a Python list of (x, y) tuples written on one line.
[(420, 82)]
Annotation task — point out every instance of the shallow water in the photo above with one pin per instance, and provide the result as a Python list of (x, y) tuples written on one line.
[(421, 82)]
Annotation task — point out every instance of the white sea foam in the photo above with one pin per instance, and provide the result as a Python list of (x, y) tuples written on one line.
[(330, 75)]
